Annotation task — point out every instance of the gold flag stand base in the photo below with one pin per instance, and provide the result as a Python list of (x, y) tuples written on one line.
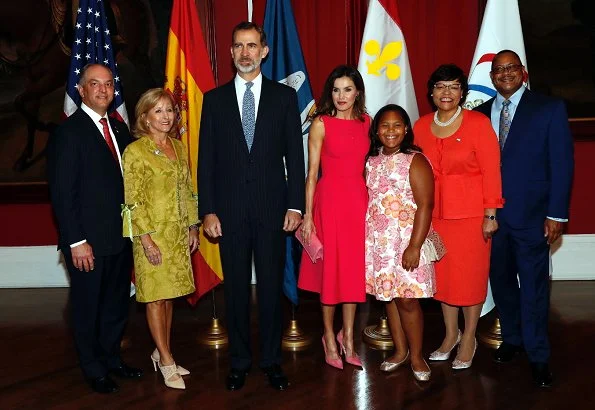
[(215, 336), (378, 336), (294, 339), (491, 336)]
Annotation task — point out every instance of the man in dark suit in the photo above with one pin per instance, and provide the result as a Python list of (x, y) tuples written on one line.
[(86, 187), (537, 167), (249, 127)]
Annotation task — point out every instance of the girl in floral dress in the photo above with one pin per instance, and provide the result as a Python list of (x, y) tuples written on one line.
[(399, 255)]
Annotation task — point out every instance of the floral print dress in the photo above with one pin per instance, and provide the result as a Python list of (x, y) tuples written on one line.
[(389, 224)]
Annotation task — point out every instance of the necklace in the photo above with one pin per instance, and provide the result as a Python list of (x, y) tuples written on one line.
[(392, 153), (446, 123)]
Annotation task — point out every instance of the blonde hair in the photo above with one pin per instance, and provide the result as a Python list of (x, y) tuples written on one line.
[(146, 102)]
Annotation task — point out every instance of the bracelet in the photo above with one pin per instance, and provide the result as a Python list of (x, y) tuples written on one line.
[(194, 227), (490, 217)]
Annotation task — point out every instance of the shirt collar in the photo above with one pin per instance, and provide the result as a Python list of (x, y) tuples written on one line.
[(94, 116), (240, 82), (514, 99)]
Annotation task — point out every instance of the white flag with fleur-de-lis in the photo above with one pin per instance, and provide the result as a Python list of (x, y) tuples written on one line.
[(383, 60)]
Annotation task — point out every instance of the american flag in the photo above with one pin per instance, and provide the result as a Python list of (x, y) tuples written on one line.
[(92, 44)]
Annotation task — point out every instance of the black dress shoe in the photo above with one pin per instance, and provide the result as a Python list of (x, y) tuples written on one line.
[(277, 379), (126, 372), (103, 385), (506, 352), (236, 379), (541, 374)]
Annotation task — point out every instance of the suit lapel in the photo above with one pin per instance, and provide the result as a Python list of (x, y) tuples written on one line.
[(119, 135), (89, 123), (230, 97), (263, 107)]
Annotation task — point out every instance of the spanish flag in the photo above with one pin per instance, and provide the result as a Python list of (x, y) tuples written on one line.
[(188, 76)]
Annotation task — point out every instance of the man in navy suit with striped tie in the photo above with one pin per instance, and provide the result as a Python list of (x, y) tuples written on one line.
[(537, 167), (250, 132)]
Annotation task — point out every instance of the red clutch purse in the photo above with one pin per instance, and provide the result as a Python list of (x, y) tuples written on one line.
[(314, 248)]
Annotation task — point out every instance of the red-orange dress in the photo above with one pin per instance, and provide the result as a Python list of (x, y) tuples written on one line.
[(339, 212), (467, 180)]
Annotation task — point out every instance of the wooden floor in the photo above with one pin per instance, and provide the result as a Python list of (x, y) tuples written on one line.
[(38, 368)]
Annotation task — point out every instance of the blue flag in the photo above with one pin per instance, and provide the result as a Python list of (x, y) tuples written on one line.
[(285, 64)]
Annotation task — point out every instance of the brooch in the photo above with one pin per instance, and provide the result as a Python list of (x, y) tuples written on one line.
[(157, 152)]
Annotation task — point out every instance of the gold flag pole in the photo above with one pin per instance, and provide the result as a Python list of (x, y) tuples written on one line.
[(294, 338), (216, 335), (378, 336)]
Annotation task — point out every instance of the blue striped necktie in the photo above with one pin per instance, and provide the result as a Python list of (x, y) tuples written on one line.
[(248, 115), (504, 123)]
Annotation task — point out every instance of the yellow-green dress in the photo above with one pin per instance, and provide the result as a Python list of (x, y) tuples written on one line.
[(159, 201)]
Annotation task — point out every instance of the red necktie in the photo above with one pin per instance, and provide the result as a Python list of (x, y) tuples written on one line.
[(108, 138)]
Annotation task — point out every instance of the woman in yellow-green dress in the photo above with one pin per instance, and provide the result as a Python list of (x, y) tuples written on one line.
[(160, 217)]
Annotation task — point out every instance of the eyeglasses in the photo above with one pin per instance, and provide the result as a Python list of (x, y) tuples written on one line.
[(444, 87), (511, 68)]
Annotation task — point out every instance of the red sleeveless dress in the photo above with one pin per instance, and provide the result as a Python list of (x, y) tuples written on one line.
[(339, 209)]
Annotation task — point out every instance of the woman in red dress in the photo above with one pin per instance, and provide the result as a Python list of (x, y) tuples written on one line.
[(465, 156), (336, 207)]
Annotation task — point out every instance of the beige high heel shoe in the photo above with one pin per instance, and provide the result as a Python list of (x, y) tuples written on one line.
[(168, 372), (155, 357)]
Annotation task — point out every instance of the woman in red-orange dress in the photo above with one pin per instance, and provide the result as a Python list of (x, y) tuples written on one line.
[(465, 156), (336, 207)]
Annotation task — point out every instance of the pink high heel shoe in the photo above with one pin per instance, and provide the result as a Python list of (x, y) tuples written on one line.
[(354, 358), (338, 363)]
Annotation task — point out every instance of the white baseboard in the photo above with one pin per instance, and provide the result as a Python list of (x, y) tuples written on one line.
[(573, 258), (32, 267)]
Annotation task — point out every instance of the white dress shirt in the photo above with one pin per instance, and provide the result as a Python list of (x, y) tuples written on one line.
[(240, 84)]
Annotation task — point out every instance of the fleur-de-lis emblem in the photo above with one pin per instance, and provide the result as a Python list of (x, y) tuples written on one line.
[(383, 58)]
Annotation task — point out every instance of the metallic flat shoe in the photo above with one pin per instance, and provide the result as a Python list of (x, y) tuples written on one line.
[(390, 367), (459, 364), (437, 355), (422, 376)]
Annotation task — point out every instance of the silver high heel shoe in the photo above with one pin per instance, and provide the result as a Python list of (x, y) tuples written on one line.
[(155, 357), (390, 367), (437, 355), (423, 376), (459, 364)]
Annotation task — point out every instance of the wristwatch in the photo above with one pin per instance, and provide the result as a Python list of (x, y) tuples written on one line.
[(490, 217)]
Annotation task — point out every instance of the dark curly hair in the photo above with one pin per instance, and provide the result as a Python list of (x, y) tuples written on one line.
[(448, 72), (407, 146), (326, 106)]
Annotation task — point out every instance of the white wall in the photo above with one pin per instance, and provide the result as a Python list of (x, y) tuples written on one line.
[(573, 258)]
